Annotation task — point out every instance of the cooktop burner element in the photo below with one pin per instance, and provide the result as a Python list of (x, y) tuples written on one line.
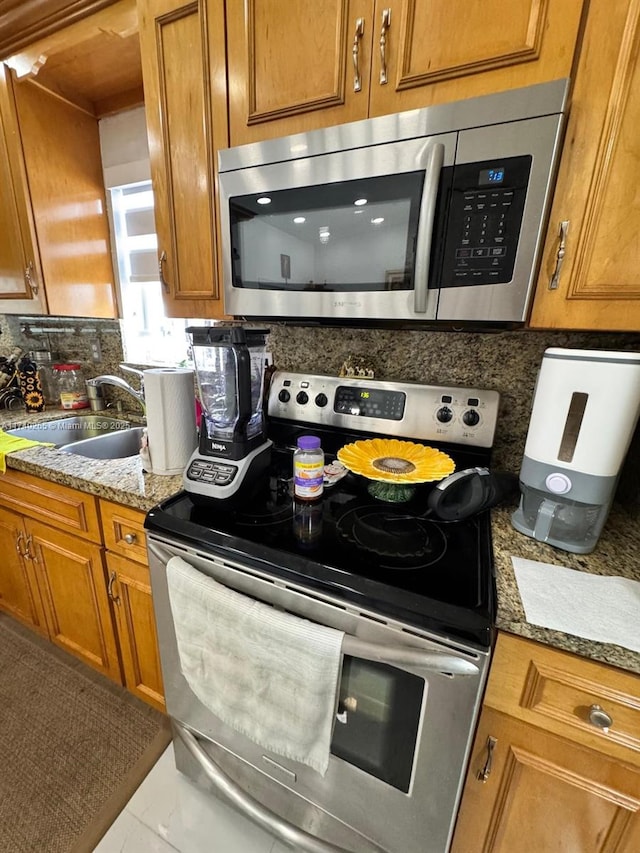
[(387, 558), (390, 533)]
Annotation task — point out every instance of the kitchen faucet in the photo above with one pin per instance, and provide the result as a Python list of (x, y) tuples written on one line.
[(108, 379)]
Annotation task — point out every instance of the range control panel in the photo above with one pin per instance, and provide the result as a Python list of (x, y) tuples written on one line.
[(402, 409)]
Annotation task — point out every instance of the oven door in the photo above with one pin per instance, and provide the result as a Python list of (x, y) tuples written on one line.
[(341, 235), (407, 710)]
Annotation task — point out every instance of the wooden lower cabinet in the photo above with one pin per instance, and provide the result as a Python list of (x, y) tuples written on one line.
[(71, 581), (57, 578), (54, 583), (19, 594), (544, 793), (130, 594), (543, 776)]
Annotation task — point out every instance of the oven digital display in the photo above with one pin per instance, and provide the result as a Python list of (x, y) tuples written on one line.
[(370, 402)]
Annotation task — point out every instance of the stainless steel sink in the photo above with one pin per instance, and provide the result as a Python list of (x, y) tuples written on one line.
[(72, 430), (114, 445)]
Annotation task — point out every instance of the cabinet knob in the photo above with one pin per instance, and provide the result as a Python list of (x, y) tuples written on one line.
[(598, 717), (130, 538)]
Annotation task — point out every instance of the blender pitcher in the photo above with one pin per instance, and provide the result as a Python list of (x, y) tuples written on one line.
[(229, 365)]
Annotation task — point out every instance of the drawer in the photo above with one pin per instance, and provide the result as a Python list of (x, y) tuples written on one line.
[(566, 694), (124, 531), (58, 506)]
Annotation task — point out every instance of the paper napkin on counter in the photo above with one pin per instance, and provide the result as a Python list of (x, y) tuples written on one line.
[(605, 609)]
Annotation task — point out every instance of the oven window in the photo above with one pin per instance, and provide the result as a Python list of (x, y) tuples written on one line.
[(342, 237), (378, 719)]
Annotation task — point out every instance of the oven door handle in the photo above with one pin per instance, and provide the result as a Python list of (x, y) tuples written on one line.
[(443, 662), (446, 663), (282, 829)]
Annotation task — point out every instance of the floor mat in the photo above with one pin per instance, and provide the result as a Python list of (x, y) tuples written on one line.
[(73, 746)]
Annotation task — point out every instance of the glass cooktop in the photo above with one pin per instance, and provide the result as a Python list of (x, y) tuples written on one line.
[(389, 558)]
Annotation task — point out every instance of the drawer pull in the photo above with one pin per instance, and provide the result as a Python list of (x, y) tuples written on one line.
[(130, 538), (599, 718), (483, 774)]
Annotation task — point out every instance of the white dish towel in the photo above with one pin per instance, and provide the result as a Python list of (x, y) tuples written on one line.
[(269, 675)]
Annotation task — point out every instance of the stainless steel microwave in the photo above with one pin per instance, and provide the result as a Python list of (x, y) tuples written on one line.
[(436, 214)]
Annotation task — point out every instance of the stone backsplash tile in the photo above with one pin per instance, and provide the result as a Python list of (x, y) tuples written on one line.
[(507, 362)]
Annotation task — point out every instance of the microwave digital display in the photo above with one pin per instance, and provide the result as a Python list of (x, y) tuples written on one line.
[(491, 177)]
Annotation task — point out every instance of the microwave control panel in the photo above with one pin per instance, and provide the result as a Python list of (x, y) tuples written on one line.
[(485, 216)]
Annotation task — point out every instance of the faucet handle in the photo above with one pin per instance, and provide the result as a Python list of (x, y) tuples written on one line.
[(128, 369)]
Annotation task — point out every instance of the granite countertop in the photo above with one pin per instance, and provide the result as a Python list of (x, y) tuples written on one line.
[(124, 481), (616, 553), (120, 480)]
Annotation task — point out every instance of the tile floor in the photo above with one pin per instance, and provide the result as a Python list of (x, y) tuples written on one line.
[(168, 813)]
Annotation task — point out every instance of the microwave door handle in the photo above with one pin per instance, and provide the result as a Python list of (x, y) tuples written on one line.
[(264, 817), (433, 167), (443, 662)]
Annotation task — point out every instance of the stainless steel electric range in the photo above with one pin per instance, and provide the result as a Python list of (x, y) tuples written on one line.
[(413, 595)]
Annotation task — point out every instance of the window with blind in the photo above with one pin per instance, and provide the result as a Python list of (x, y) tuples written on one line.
[(148, 337)]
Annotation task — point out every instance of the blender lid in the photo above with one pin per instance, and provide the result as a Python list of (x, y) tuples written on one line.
[(206, 336)]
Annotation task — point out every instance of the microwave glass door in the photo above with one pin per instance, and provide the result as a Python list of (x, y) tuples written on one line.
[(378, 719), (350, 236)]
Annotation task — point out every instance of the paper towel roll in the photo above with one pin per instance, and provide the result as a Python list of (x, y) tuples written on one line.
[(171, 419)]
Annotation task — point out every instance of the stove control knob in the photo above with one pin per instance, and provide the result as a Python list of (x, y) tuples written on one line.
[(321, 400), (284, 396), (471, 417), (302, 398), (444, 415)]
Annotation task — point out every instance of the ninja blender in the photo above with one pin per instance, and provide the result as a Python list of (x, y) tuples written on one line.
[(233, 450)]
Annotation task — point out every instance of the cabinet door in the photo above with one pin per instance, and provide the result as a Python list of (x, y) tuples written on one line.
[(19, 594), (19, 262), (130, 592), (592, 280), (293, 66), (430, 52), (61, 146), (544, 793), (73, 586), (183, 67)]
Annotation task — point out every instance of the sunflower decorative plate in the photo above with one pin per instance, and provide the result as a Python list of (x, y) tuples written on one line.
[(389, 462)]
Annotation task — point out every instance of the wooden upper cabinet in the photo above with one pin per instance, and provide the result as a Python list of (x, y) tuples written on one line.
[(55, 248), (61, 148), (429, 52), (295, 71), (597, 285), (293, 67), (184, 75), (20, 272)]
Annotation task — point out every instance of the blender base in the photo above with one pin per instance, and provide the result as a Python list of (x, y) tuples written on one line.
[(225, 481)]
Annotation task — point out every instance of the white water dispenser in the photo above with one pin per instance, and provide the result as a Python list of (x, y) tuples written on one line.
[(585, 410)]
